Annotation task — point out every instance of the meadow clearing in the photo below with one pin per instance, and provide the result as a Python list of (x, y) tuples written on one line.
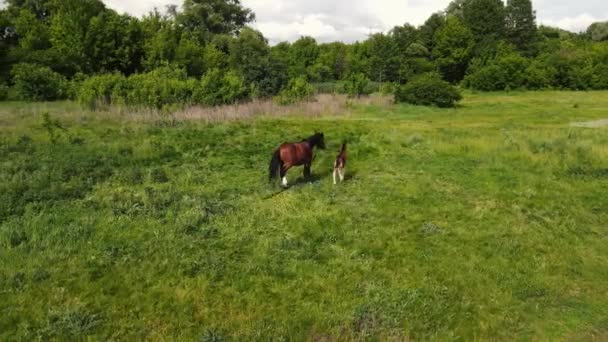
[(484, 222)]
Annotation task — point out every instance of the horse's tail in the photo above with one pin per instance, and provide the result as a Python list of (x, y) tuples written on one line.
[(275, 165)]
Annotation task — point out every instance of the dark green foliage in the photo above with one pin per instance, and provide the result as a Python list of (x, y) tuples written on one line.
[(37, 83), (427, 31), (217, 88), (251, 56), (600, 77), (301, 56), (505, 72), (521, 28), (204, 18), (384, 61), (3, 91), (453, 49), (114, 43), (297, 90), (485, 19), (428, 90), (81, 39), (539, 75)]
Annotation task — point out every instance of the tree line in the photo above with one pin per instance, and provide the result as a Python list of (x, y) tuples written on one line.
[(204, 52)]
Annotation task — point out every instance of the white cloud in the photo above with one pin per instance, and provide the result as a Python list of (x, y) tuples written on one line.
[(350, 20), (575, 24)]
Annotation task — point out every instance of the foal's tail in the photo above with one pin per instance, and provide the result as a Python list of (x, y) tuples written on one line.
[(275, 166)]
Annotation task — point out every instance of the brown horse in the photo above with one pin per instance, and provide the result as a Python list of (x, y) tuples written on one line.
[(289, 155)]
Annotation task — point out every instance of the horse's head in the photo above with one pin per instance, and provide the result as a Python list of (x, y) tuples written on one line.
[(320, 140)]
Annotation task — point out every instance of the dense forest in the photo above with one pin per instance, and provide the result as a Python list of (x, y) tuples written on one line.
[(204, 52)]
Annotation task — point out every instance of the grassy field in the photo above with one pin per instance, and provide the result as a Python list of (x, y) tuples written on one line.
[(485, 222)]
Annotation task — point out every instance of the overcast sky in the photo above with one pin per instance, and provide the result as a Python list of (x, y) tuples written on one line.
[(349, 20)]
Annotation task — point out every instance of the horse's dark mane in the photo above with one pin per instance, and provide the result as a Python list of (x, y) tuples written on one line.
[(314, 139)]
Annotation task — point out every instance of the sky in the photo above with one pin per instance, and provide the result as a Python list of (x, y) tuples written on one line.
[(351, 20)]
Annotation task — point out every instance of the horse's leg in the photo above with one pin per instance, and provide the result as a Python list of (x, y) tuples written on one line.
[(341, 170), (284, 176), (307, 171), (335, 174)]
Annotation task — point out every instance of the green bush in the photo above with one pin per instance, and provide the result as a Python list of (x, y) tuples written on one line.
[(165, 87), (356, 84), (539, 75), (428, 90), (34, 82), (216, 88), (388, 88), (74, 85), (297, 90), (162, 87), (503, 73), (100, 90), (600, 77), (3, 92)]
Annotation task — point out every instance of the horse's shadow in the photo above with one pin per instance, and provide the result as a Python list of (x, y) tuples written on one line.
[(318, 176), (314, 178)]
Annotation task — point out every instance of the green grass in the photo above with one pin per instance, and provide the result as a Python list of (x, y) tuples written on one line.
[(484, 222)]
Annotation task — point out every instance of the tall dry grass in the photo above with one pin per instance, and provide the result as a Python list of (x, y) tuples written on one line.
[(323, 105)]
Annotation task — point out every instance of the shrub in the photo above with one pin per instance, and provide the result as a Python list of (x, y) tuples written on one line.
[(388, 88), (428, 89), (100, 90), (159, 88), (539, 75), (505, 72), (3, 92), (356, 84), (216, 88), (297, 90), (600, 76), (34, 82), (74, 85)]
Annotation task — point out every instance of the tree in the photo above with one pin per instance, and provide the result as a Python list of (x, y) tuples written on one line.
[(598, 32), (160, 39), (521, 27), (485, 19), (332, 58), (454, 49), (456, 9), (114, 43), (250, 55), (303, 55), (190, 55), (383, 58), (427, 31), (204, 18)]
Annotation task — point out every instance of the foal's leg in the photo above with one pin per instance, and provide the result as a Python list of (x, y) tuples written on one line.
[(335, 175), (341, 171)]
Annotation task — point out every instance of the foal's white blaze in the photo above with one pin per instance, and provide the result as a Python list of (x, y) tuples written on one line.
[(284, 181)]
